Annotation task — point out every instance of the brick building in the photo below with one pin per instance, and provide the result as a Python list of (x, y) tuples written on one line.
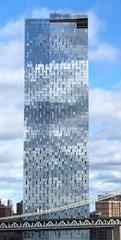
[(5, 211), (110, 207)]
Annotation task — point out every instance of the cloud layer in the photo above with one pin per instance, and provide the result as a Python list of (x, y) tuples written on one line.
[(100, 51), (105, 140)]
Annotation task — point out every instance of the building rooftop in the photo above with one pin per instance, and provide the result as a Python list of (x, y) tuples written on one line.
[(60, 16), (67, 16)]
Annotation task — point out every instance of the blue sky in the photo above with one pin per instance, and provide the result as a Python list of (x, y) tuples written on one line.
[(104, 82)]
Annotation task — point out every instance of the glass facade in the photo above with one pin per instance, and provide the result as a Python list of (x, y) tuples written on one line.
[(59, 235), (56, 168)]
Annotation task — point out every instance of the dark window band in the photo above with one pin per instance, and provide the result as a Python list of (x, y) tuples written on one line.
[(81, 23)]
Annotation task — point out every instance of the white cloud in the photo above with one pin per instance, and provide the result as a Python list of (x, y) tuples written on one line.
[(96, 26), (11, 54), (105, 105), (41, 13), (11, 78), (11, 109), (45, 12), (104, 52), (100, 51), (100, 156), (102, 187), (105, 142), (11, 169), (11, 152), (13, 29), (11, 123)]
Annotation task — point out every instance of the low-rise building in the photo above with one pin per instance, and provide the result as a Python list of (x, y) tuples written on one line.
[(5, 211), (19, 208), (106, 206), (109, 206)]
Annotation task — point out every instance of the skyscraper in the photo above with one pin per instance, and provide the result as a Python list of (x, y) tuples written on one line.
[(56, 113)]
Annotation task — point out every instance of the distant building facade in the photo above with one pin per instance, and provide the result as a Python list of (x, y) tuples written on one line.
[(5, 211), (110, 207), (10, 203), (19, 208)]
